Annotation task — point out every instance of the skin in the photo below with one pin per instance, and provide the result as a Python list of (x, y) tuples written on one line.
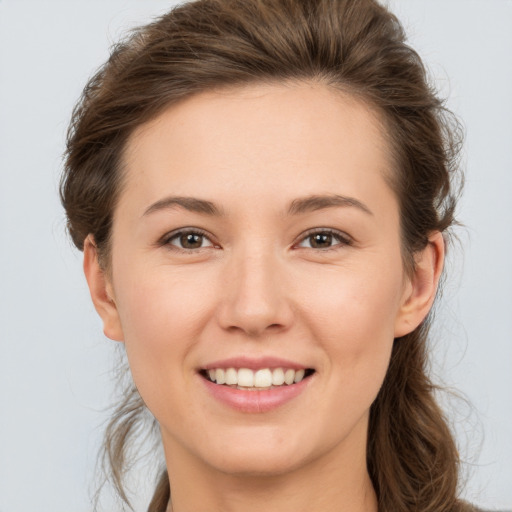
[(258, 286)]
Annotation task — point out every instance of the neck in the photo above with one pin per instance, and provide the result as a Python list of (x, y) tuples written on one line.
[(330, 483)]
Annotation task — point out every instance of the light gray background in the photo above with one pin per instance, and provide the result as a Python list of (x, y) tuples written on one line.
[(54, 361)]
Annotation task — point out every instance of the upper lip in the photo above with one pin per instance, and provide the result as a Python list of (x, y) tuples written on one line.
[(255, 363)]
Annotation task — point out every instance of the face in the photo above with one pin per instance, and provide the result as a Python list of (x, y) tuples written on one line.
[(256, 240)]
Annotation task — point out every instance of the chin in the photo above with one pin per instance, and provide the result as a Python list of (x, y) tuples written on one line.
[(260, 464), (260, 452), (234, 449)]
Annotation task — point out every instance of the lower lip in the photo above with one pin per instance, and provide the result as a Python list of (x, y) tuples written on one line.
[(255, 401)]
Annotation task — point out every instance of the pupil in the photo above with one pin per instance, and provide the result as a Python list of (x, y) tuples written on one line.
[(321, 240), (191, 241)]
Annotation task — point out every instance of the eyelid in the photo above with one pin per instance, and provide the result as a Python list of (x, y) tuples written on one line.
[(166, 239), (341, 236)]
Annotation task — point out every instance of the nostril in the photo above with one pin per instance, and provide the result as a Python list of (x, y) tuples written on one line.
[(255, 331)]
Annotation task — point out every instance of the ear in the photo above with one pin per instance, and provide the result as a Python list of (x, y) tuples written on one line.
[(421, 286), (101, 291)]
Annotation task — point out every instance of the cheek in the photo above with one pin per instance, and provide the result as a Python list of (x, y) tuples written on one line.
[(353, 318), (160, 304), (360, 303), (162, 315)]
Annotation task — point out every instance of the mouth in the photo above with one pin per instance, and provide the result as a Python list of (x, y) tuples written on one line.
[(256, 379)]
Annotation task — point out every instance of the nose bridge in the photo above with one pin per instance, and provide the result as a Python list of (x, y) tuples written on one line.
[(255, 299)]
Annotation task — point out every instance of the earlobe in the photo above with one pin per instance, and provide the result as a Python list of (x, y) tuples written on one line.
[(101, 292), (421, 288)]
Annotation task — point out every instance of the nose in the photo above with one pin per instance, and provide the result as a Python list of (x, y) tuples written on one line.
[(254, 300)]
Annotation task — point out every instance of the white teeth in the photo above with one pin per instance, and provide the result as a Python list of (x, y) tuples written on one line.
[(231, 376), (220, 376), (263, 378), (245, 378), (299, 375), (278, 377), (289, 376)]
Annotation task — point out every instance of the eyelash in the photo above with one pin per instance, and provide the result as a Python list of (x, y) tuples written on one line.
[(167, 239), (342, 239)]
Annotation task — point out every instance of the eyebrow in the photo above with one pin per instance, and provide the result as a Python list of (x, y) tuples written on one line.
[(319, 202), (297, 206), (192, 204)]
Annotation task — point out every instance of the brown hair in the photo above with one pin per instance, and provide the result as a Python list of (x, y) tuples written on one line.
[(356, 46)]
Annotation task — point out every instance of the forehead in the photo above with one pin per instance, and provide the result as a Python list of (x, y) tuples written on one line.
[(286, 139)]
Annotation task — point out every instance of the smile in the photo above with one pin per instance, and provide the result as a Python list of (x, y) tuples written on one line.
[(260, 379), (255, 384)]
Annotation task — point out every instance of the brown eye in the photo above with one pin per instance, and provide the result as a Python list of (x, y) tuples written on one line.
[(320, 240), (189, 240), (325, 239)]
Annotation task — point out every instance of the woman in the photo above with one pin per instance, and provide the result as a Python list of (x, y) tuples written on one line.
[(262, 191)]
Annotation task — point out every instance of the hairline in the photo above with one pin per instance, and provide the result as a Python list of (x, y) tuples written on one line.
[(348, 92)]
